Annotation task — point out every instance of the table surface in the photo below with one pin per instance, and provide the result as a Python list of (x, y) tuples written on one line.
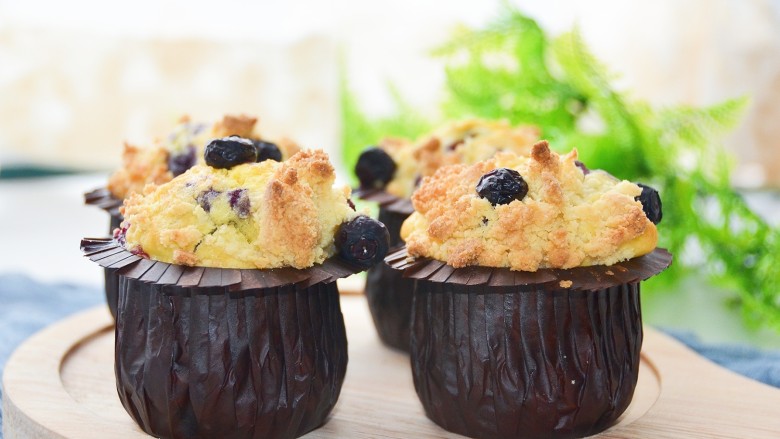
[(43, 220)]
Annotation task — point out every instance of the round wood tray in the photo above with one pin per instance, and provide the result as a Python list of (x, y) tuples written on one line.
[(60, 384)]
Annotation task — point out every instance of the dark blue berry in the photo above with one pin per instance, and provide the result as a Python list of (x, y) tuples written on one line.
[(582, 167), (502, 186), (267, 151), (239, 201), (179, 163), (454, 145), (651, 203), (374, 168), (363, 241), (230, 151), (206, 198)]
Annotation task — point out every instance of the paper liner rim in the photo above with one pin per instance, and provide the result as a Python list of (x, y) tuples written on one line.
[(589, 278), (385, 200), (108, 253), (104, 199)]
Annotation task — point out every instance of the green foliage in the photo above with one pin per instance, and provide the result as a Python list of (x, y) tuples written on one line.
[(359, 131), (511, 69)]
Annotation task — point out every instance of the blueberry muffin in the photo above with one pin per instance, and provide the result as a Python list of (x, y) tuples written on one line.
[(390, 172), (169, 157), (228, 321), (526, 317)]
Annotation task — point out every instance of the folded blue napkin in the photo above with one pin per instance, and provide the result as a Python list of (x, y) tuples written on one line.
[(27, 306)]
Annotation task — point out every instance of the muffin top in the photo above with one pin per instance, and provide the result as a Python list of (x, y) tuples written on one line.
[(466, 141), (253, 215), (180, 150), (527, 213)]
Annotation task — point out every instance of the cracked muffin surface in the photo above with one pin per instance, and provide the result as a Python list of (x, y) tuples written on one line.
[(180, 150), (254, 215), (561, 216), (465, 141)]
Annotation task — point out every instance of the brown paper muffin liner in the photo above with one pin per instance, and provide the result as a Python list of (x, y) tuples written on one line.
[(205, 362), (210, 352), (502, 354), (103, 199), (389, 294), (581, 278), (386, 200), (107, 253)]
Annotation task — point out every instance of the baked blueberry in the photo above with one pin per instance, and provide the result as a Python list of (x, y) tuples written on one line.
[(239, 202), (363, 241), (182, 161), (502, 186), (582, 167), (651, 203), (267, 151), (374, 168), (230, 151), (206, 198)]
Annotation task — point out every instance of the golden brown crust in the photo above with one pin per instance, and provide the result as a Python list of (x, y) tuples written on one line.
[(231, 125), (256, 215), (140, 166), (567, 219), (288, 147), (466, 141)]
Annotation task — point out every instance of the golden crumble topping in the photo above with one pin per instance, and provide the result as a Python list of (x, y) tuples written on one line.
[(256, 215), (567, 218)]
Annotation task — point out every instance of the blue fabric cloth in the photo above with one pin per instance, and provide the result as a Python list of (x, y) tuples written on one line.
[(27, 306), (761, 365)]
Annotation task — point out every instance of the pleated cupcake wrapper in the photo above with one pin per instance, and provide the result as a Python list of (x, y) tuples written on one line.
[(498, 363), (389, 297), (389, 294), (385, 200), (201, 362), (104, 199), (500, 354), (595, 277), (110, 254)]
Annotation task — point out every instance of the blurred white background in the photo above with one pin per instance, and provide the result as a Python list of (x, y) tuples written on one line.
[(78, 77)]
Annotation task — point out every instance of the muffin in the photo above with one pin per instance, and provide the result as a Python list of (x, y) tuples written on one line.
[(388, 175), (169, 157), (228, 321), (526, 316)]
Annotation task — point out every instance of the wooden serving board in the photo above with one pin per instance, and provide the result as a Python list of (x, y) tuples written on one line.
[(60, 384)]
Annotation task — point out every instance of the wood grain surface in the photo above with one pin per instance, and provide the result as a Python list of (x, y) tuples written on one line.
[(60, 384)]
